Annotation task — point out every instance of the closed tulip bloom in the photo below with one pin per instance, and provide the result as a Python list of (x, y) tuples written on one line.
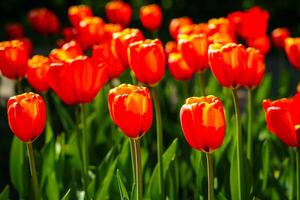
[(103, 55), (44, 21), (90, 31), (261, 43), (26, 116), (69, 50), (228, 63), (221, 38), (118, 12), (201, 28), (194, 50), (203, 122), (176, 23), (77, 80), (220, 25), (123, 39), (14, 30), (178, 67), (292, 50), (131, 102), (110, 29), (13, 59), (37, 70), (151, 17), (171, 47), (282, 117), (279, 35), (78, 13), (147, 61)]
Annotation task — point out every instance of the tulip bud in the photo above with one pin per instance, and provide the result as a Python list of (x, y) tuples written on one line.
[(151, 17)]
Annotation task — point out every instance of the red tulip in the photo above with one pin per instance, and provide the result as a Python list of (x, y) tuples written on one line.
[(194, 50), (176, 23), (103, 54), (292, 50), (203, 122), (78, 13), (201, 28), (90, 31), (261, 43), (44, 21), (171, 47), (37, 70), (134, 103), (13, 59), (77, 80), (68, 51), (147, 61), (26, 116), (279, 35), (222, 26), (122, 40), (179, 69), (14, 30), (110, 29), (283, 119), (118, 12), (151, 17), (221, 38)]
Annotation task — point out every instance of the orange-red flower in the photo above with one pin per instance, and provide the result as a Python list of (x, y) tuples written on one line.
[(282, 117), (222, 26), (261, 43), (203, 122), (90, 31), (37, 70), (292, 50), (134, 103), (233, 65), (151, 17), (176, 23), (178, 67), (69, 50), (78, 13), (221, 38), (279, 35), (43, 21), (103, 55), (26, 116), (123, 39), (171, 47), (147, 61), (190, 29), (13, 59), (118, 12), (14, 30), (110, 29), (194, 50), (77, 80)]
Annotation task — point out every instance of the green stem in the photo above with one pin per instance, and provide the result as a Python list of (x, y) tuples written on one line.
[(84, 146), (202, 84), (133, 78), (185, 89), (159, 140), (239, 141), (133, 158), (210, 176), (19, 86), (138, 169), (249, 138), (33, 171), (298, 172), (49, 132)]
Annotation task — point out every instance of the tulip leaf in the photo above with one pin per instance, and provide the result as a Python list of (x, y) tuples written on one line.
[(102, 192), (18, 166), (4, 195), (52, 188), (67, 196), (263, 90), (265, 163), (122, 188), (168, 156)]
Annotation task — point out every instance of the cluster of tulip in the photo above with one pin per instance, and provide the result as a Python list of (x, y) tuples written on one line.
[(77, 79)]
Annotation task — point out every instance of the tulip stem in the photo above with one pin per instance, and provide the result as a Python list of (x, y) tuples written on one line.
[(239, 142), (159, 140), (33, 171), (210, 176), (202, 84), (138, 169), (298, 172), (84, 146), (249, 139), (19, 86), (133, 153)]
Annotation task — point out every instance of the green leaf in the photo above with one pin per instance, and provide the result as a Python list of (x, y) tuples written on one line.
[(102, 192), (17, 166), (67, 195), (52, 188), (168, 156), (122, 188), (4, 195), (263, 90), (265, 163)]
